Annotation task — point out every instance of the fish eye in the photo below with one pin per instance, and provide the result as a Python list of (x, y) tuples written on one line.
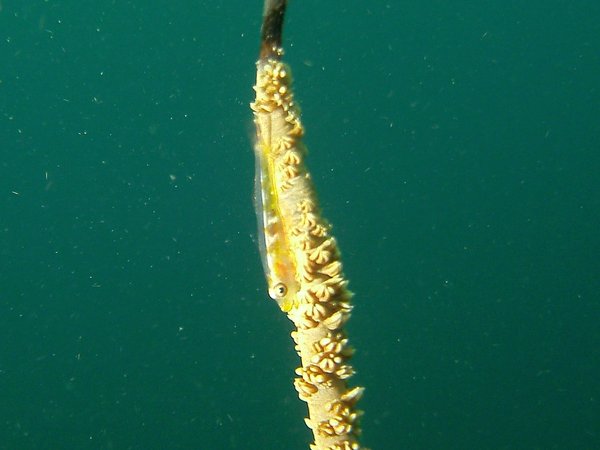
[(279, 291)]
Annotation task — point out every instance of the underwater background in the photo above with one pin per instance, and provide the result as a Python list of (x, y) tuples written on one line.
[(455, 147)]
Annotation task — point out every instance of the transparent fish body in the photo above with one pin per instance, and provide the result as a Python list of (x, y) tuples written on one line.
[(275, 250)]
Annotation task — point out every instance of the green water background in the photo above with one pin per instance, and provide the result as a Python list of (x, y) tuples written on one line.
[(455, 146)]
